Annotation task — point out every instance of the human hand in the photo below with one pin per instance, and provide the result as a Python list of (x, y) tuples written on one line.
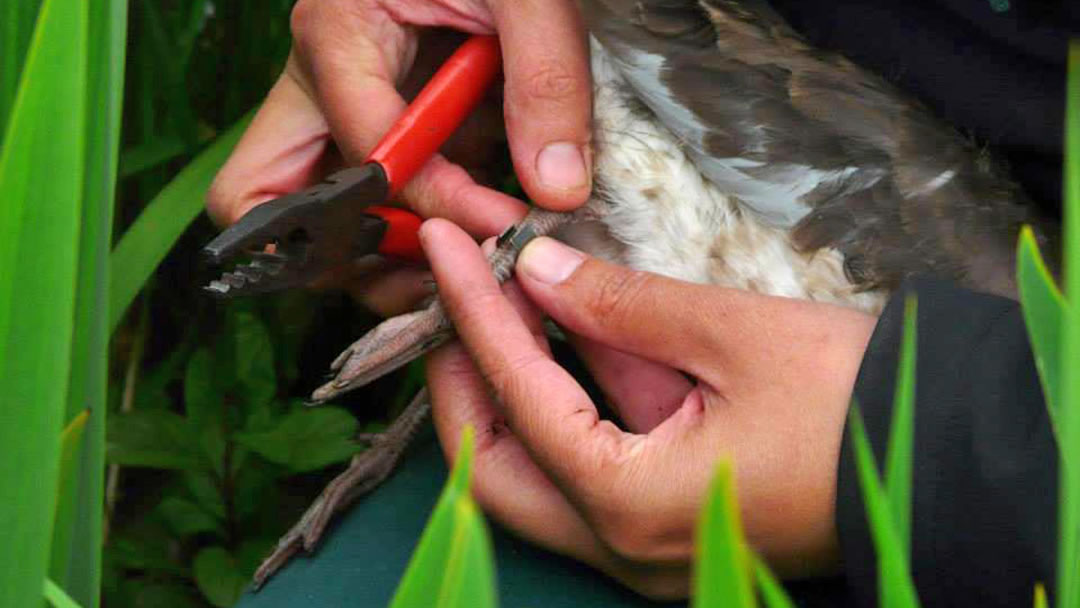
[(769, 384), (341, 84)]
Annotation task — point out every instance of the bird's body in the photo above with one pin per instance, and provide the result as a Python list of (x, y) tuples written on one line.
[(728, 151)]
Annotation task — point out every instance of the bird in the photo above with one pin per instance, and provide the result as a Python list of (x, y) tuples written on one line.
[(729, 151)]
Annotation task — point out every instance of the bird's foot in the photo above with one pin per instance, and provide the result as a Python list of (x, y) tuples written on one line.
[(398, 340), (366, 471)]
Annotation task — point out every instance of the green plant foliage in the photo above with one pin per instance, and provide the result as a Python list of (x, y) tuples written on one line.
[(71, 447), (895, 587), (902, 431), (1043, 309), (145, 244), (57, 597), (722, 561), (305, 439), (1068, 594), (772, 592), (223, 458), (88, 388), (1040, 597), (41, 177), (453, 564), (16, 24)]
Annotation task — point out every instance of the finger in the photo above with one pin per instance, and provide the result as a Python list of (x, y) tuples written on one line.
[(513, 490), (352, 60), (642, 392), (392, 292), (547, 98), (637, 312), (544, 406), (280, 152)]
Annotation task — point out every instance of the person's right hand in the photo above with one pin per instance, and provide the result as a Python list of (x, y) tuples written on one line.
[(341, 84)]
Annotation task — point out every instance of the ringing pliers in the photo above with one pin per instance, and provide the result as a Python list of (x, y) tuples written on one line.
[(341, 219)]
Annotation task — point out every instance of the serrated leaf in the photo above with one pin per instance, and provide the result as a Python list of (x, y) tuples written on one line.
[(153, 438), (187, 518), (452, 565), (246, 352), (722, 560), (202, 395), (218, 578), (205, 491), (306, 439)]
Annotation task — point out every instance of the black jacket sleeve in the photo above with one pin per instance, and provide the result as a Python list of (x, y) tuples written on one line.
[(984, 513)]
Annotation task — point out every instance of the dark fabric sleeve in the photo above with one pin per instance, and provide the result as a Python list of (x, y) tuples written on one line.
[(984, 514)]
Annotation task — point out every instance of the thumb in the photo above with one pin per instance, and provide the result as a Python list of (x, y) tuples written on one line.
[(673, 322)]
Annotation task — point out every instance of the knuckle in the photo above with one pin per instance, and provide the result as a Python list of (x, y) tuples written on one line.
[(550, 81), (658, 586), (302, 19), (629, 534), (616, 295), (220, 199)]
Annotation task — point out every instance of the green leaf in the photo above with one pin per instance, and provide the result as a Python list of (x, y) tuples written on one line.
[(1043, 307), (306, 439), (163, 595), (154, 438), (452, 565), (16, 24), (71, 444), (218, 578), (246, 351), (895, 587), (902, 431), (187, 518), (152, 153), (42, 180), (205, 491), (57, 596), (722, 560), (202, 395), (165, 218), (772, 592), (1068, 594), (1040, 596)]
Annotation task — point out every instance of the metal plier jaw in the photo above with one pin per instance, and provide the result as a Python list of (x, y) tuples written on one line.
[(341, 219), (313, 231)]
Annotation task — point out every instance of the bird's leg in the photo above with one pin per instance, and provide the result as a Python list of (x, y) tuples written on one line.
[(366, 471), (399, 340)]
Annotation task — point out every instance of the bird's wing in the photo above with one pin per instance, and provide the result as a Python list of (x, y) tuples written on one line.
[(810, 141)]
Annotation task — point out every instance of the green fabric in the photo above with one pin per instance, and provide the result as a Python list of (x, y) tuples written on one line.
[(362, 558)]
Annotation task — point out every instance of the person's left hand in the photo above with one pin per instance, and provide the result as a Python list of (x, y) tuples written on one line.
[(695, 372)]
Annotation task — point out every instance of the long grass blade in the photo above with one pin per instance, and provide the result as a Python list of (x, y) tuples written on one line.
[(81, 574), (722, 561), (58, 597), (42, 163), (772, 592), (1043, 308), (902, 431), (165, 218), (17, 19), (1068, 594), (452, 565), (895, 587), (1040, 597), (71, 447)]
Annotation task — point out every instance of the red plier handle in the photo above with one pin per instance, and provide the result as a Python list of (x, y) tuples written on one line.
[(443, 104)]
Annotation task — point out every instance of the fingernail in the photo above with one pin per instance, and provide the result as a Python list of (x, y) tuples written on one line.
[(560, 165), (549, 261)]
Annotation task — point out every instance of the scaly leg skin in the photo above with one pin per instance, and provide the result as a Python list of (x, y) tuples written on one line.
[(399, 340), (392, 344), (366, 471)]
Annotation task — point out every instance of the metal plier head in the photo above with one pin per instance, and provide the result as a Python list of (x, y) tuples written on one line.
[(312, 232)]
